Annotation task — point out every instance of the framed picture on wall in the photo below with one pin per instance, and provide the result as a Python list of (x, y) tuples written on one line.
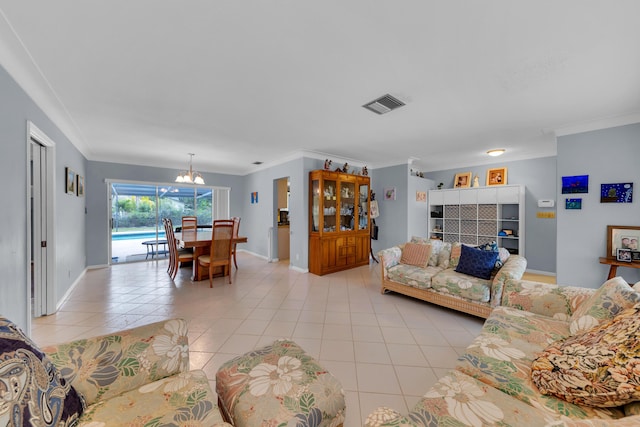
[(70, 181), (80, 185), (462, 180), (497, 176)]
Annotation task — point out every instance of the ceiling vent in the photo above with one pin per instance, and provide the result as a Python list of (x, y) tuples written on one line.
[(384, 104)]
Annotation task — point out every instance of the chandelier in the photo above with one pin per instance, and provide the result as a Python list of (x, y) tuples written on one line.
[(190, 177)]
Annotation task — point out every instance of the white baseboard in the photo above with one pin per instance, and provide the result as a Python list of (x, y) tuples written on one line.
[(298, 269), (71, 288)]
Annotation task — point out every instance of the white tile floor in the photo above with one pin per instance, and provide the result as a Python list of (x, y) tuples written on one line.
[(387, 350)]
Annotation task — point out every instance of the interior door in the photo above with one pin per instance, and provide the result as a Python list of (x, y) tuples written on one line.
[(38, 229)]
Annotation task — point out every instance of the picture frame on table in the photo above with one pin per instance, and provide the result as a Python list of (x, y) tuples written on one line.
[(622, 237), (70, 181), (623, 255), (462, 180), (497, 176)]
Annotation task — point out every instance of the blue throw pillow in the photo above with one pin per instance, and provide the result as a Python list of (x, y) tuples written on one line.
[(476, 262)]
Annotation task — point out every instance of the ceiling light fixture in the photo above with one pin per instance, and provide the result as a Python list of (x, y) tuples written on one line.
[(496, 152), (190, 177)]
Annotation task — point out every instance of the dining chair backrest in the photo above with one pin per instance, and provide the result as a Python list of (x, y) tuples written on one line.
[(189, 223), (221, 238), (236, 226)]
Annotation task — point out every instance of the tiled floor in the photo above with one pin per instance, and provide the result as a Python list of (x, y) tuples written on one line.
[(385, 349)]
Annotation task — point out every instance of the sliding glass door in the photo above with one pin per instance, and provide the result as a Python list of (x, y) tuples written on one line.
[(137, 233)]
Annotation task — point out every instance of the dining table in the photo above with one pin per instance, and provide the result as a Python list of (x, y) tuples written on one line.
[(200, 241)]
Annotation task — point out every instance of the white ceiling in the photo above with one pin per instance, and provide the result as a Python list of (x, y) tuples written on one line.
[(148, 81)]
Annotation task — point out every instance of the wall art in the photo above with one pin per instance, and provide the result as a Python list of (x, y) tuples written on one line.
[(616, 193), (462, 180), (70, 182), (497, 176), (575, 184), (80, 185), (421, 196), (390, 193), (573, 204), (254, 197)]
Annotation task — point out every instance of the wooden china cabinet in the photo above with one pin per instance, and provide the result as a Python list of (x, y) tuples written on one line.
[(339, 235)]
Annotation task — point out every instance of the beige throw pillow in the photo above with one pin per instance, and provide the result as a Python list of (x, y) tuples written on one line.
[(416, 254)]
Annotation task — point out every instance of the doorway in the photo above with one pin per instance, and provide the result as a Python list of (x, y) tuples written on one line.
[(282, 216), (40, 229)]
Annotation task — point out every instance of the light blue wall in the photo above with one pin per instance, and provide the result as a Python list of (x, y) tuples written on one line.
[(417, 211), (392, 222), (16, 108), (539, 178), (99, 211), (261, 217), (607, 156)]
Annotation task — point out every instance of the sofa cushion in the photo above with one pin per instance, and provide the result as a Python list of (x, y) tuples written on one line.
[(456, 250), (123, 361), (476, 262), (415, 254), (502, 354), (417, 277), (610, 299), (600, 367), (32, 390), (462, 285), (183, 400)]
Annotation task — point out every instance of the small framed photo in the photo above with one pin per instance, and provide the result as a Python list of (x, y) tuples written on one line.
[(573, 204), (462, 180), (70, 182), (635, 256), (421, 196), (623, 255), (497, 176), (390, 193), (80, 185)]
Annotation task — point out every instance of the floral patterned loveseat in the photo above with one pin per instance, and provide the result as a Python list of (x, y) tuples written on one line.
[(548, 356), (137, 377), (438, 280)]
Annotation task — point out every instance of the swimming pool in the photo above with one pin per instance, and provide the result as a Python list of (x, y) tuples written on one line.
[(138, 235)]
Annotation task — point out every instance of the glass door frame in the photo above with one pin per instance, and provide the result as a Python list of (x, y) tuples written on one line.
[(215, 211)]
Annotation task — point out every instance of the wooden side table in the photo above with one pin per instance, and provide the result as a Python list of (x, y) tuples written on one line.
[(614, 264)]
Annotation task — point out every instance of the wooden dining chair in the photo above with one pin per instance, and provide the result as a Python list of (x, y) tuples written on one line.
[(236, 230), (176, 255), (220, 251), (189, 223)]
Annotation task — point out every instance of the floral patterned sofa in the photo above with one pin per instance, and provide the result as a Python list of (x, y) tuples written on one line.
[(137, 377), (548, 356), (432, 273)]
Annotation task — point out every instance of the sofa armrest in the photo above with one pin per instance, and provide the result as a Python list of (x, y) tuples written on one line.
[(544, 298), (513, 268), (106, 366), (389, 258)]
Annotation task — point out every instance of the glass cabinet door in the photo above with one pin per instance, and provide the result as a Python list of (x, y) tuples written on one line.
[(363, 208), (315, 205), (347, 205), (330, 210)]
